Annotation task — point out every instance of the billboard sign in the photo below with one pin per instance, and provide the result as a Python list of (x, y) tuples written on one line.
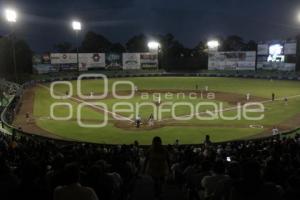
[(290, 48), (149, 60), (240, 60), (280, 56), (280, 66), (41, 58), (41, 64), (131, 61), (91, 60), (63, 58), (113, 60), (263, 49)]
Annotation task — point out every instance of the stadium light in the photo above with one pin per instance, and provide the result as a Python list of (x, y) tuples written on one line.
[(213, 44), (76, 25), (153, 46), (10, 15)]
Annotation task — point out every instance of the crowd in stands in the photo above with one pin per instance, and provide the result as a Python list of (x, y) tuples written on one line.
[(9, 88), (263, 169)]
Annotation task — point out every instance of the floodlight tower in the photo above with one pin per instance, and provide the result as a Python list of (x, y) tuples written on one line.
[(76, 25), (11, 17), (154, 46), (213, 45)]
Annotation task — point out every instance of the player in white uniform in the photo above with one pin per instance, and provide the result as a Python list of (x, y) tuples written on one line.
[(275, 131), (206, 88), (159, 99), (138, 121), (248, 96), (151, 120)]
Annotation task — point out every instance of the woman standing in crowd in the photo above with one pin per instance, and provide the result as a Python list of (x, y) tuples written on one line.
[(157, 165)]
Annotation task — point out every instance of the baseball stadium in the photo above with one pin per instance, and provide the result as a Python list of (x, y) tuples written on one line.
[(107, 107)]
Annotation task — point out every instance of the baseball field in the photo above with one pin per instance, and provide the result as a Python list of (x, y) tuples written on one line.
[(183, 108)]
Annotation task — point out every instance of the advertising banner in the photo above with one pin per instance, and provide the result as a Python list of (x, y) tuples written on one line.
[(131, 61), (63, 58), (113, 60), (280, 66), (149, 60), (91, 60), (232, 60), (41, 64), (44, 68), (290, 48), (263, 49)]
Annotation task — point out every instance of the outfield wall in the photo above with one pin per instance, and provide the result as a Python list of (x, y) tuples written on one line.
[(55, 62)]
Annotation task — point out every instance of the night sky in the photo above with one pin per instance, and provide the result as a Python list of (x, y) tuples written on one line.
[(43, 23)]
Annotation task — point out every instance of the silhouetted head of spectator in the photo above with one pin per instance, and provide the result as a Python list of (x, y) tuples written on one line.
[(207, 138), (58, 162), (251, 171), (207, 141), (206, 166), (294, 180), (30, 170), (71, 173), (94, 173), (219, 167), (233, 170), (156, 142), (103, 165), (136, 143), (4, 168)]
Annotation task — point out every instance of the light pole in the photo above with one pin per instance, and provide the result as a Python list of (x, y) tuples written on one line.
[(213, 45), (76, 25), (11, 18), (154, 46)]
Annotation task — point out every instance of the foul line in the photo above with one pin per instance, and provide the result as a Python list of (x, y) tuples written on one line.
[(90, 104), (232, 108)]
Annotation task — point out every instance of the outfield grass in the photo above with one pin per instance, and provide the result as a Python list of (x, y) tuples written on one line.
[(188, 132)]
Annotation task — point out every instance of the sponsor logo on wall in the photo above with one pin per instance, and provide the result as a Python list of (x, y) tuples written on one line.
[(232, 60), (113, 60), (131, 61), (149, 60), (91, 60)]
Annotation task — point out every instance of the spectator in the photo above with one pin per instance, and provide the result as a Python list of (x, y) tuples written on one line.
[(73, 190), (207, 141), (252, 185), (8, 181), (214, 185), (157, 164)]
